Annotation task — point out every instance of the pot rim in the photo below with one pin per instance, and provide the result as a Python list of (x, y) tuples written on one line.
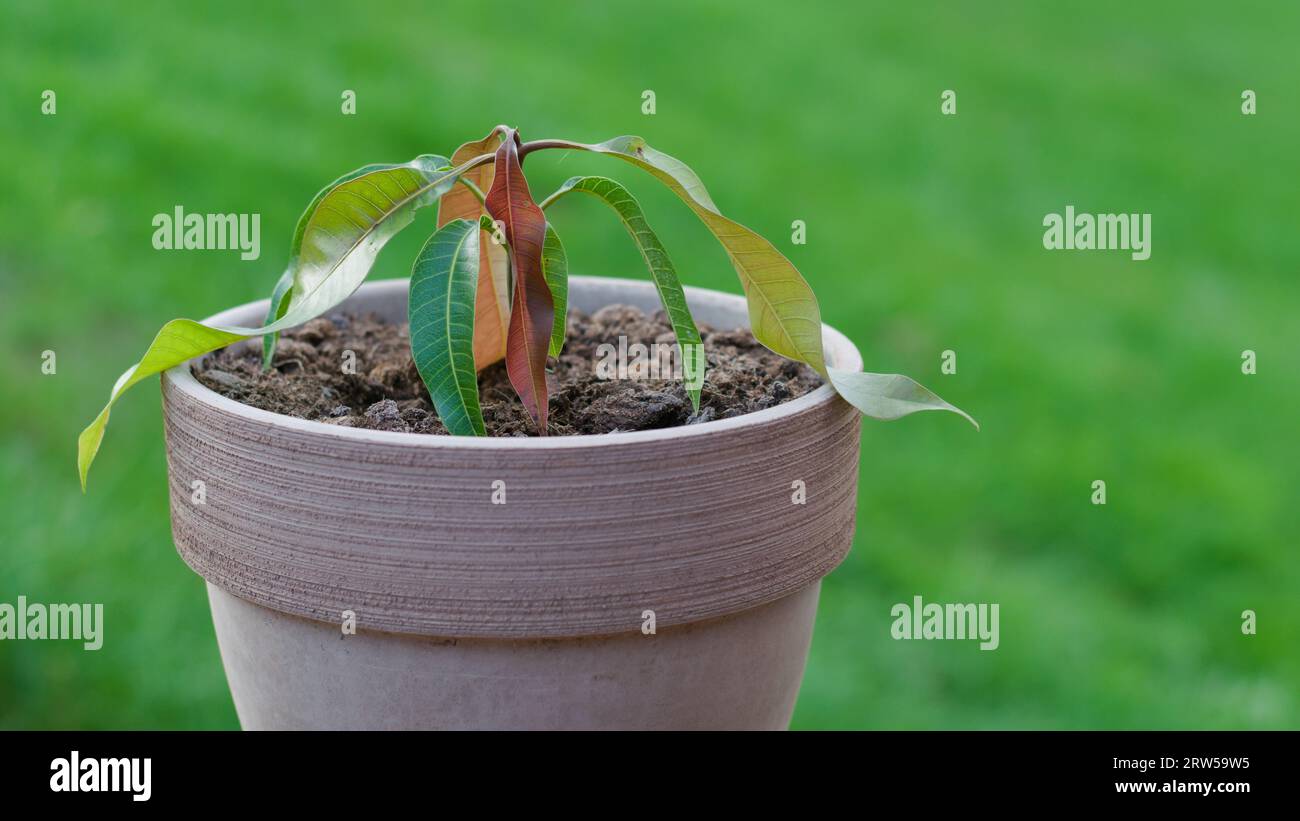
[(839, 350)]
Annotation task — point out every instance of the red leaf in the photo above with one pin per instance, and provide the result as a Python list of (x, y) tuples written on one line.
[(532, 312)]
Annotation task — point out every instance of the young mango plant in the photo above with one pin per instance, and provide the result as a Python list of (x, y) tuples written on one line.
[(491, 283)]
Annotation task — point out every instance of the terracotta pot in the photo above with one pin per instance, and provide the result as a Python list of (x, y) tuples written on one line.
[(528, 614)]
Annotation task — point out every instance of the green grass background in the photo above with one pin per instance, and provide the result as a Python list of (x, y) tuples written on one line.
[(924, 234)]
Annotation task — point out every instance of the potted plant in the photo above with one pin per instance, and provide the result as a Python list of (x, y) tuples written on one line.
[(362, 577)]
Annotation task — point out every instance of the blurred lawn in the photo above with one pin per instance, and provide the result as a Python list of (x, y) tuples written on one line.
[(924, 233)]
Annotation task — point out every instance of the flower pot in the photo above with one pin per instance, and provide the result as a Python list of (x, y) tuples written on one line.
[(535, 613)]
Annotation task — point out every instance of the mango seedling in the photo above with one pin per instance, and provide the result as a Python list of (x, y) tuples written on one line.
[(490, 284)]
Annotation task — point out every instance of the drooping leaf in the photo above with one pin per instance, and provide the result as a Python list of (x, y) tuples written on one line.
[(444, 280), (179, 340), (783, 311), (661, 271), (340, 242), (352, 224), (555, 269), (888, 395), (492, 306), (531, 310), (283, 292)]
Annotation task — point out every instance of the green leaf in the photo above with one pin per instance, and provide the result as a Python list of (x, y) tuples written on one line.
[(661, 271), (888, 395), (340, 241), (352, 223), (280, 297), (555, 268), (444, 284), (178, 341), (783, 311), (283, 292)]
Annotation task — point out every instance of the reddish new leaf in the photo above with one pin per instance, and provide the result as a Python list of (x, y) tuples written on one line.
[(532, 311), (492, 306)]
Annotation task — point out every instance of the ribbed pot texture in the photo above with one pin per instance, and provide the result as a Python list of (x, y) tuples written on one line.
[(535, 613)]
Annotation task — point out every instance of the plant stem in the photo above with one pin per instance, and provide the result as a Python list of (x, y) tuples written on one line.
[(474, 189), (552, 198), (537, 145)]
